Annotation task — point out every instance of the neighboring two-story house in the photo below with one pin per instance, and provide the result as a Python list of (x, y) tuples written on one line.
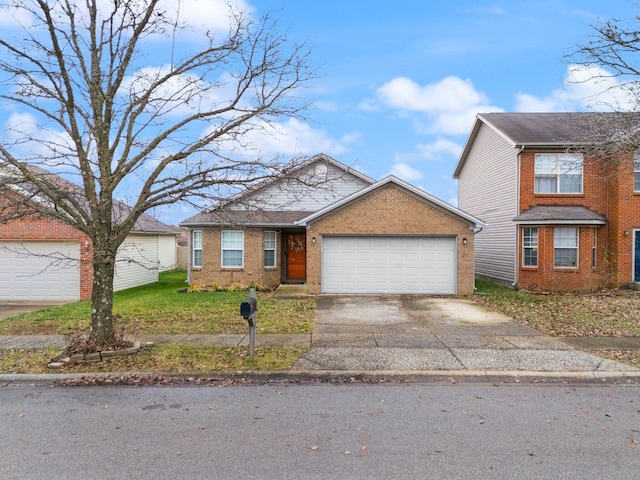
[(559, 217)]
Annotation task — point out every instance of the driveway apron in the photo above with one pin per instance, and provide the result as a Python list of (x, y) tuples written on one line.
[(379, 333)]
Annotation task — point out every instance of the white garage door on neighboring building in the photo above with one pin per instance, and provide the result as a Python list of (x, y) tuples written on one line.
[(389, 264), (39, 271)]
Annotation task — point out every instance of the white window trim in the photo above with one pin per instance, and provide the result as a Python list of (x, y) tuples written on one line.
[(557, 173), (524, 248), (222, 250), (274, 249), (193, 248), (576, 248)]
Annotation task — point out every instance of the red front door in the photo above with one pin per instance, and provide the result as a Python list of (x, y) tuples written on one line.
[(296, 257)]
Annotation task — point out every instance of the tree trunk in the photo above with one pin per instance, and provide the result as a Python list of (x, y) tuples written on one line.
[(102, 324)]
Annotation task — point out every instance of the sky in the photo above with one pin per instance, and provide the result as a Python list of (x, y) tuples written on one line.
[(398, 84)]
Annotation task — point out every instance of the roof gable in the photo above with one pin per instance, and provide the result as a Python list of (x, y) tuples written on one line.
[(395, 181), (316, 183), (551, 130)]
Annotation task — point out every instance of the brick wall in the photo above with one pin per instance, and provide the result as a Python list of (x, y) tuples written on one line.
[(212, 274), (608, 191), (391, 210), (39, 227)]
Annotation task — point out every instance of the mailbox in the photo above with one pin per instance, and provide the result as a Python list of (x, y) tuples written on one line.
[(248, 309)]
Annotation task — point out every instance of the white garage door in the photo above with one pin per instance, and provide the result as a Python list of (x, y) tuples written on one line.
[(395, 265), (39, 271)]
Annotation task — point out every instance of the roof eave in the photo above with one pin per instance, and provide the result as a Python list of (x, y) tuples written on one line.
[(561, 222)]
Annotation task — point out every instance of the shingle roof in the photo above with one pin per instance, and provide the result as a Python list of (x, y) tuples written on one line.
[(246, 217), (555, 130), (144, 223), (567, 215), (559, 128)]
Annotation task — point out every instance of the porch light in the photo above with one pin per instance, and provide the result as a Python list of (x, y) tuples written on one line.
[(313, 239), (465, 241)]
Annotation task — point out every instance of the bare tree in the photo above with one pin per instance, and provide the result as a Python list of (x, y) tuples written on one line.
[(610, 60), (93, 110)]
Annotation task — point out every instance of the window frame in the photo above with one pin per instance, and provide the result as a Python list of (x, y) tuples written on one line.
[(556, 247), (267, 233), (239, 234), (196, 246), (533, 232), (557, 174), (636, 173)]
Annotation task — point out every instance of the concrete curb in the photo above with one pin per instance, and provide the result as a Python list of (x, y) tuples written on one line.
[(334, 377)]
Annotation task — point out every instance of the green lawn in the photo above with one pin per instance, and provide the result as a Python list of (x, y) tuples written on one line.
[(160, 308)]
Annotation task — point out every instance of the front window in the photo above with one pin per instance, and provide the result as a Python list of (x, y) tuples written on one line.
[(558, 173), (636, 173), (565, 244), (530, 247), (269, 249), (232, 248), (196, 246)]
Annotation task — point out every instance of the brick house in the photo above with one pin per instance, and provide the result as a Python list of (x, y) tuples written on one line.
[(336, 231), (43, 259), (558, 218)]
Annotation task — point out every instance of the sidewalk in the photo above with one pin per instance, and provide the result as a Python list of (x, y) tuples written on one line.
[(413, 335)]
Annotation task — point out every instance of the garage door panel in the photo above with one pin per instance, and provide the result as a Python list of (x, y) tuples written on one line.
[(39, 271), (389, 264)]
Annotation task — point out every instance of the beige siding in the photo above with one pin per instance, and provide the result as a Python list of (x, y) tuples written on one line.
[(167, 252), (322, 185), (136, 262), (487, 189)]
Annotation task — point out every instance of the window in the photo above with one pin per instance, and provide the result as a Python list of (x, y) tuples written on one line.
[(530, 247), (269, 249), (558, 173), (565, 245), (232, 249), (636, 173), (196, 246)]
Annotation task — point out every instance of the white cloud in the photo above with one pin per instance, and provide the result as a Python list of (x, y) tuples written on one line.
[(451, 94), (204, 15), (449, 105), (10, 16), (290, 138), (201, 15), (584, 88), (439, 149), (406, 172)]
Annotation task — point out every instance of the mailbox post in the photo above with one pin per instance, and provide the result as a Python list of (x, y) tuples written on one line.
[(249, 311)]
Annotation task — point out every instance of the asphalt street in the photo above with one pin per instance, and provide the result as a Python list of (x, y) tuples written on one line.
[(451, 431)]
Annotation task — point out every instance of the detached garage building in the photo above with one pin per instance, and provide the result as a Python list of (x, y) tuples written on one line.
[(338, 232)]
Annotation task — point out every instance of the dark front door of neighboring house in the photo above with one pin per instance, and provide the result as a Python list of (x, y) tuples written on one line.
[(636, 256), (296, 257)]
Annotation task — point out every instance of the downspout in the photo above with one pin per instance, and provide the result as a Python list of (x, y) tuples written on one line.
[(189, 235), (517, 202)]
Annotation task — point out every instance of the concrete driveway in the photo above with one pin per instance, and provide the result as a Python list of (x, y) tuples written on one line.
[(14, 308), (365, 334)]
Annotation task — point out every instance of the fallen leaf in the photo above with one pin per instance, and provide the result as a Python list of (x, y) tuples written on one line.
[(347, 452), (314, 447), (363, 448), (20, 415)]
